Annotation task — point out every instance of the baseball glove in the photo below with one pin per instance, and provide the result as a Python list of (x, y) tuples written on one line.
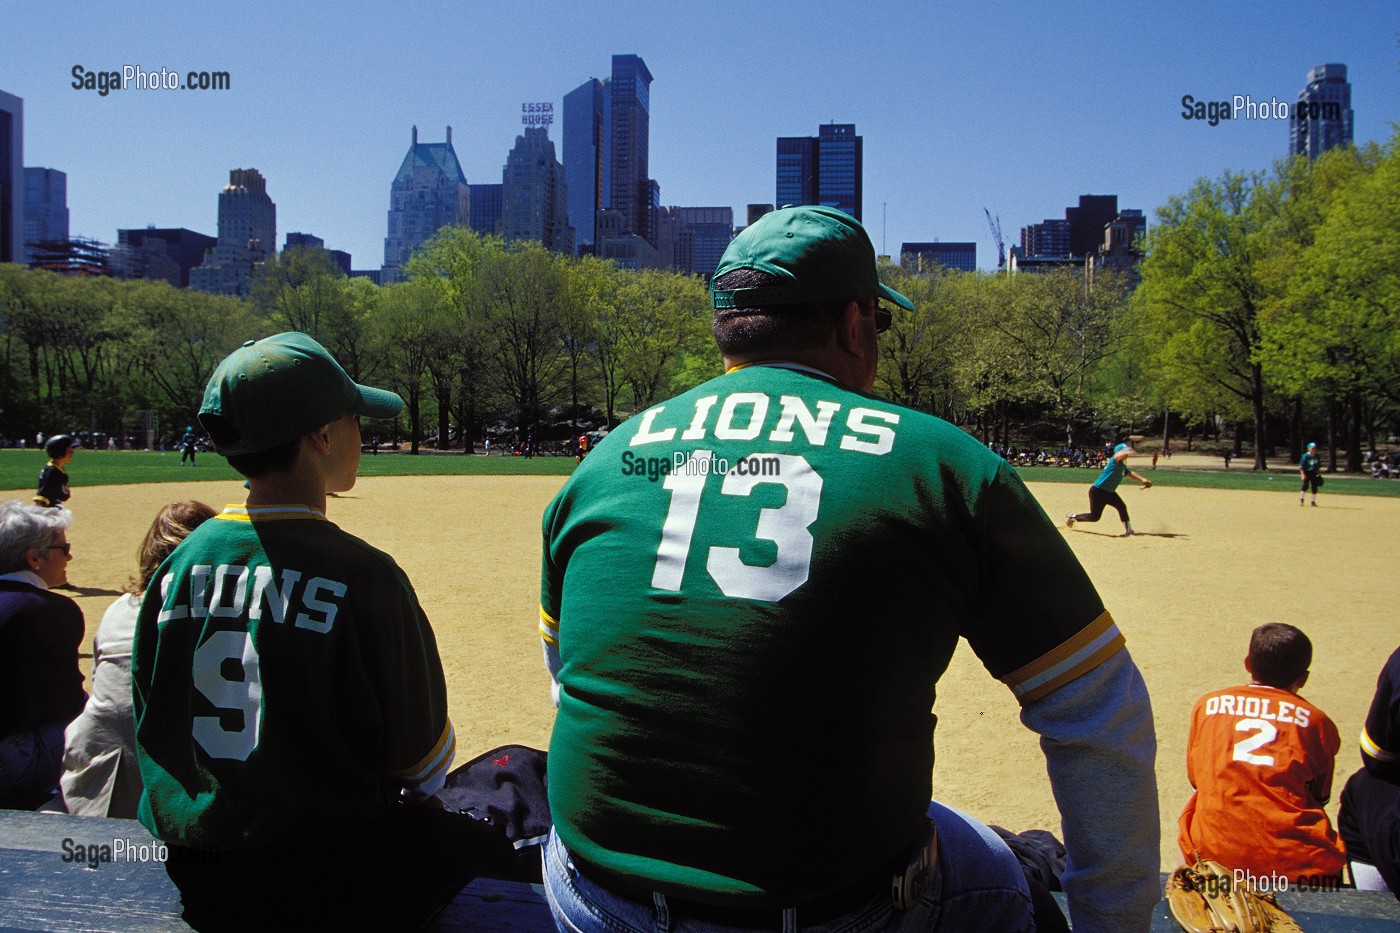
[(1204, 898)]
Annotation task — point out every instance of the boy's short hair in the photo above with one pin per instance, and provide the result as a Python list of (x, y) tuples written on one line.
[(1279, 654), (259, 463), (279, 389)]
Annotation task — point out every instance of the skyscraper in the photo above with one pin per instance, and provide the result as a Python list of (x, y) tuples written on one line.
[(825, 169), (585, 156), (924, 257), (1050, 237), (45, 207), (429, 192), (534, 198), (692, 239), (1322, 118), (629, 188), (11, 178), (164, 253), (1086, 222), (486, 209), (247, 236)]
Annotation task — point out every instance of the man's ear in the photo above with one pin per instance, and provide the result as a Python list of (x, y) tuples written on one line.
[(848, 328)]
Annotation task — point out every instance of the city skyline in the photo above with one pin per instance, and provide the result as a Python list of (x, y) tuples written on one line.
[(1018, 109)]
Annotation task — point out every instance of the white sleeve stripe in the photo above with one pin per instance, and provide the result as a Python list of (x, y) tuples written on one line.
[(1069, 663), (438, 764)]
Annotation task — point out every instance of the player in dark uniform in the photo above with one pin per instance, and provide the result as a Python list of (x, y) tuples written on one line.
[(188, 445), (744, 737), (53, 479), (290, 707)]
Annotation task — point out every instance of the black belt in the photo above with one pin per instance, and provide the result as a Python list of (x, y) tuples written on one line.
[(812, 912)]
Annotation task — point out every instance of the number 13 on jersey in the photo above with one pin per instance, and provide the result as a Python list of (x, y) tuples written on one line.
[(786, 526)]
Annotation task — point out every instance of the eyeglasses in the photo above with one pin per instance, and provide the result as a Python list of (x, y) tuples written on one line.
[(66, 547), (883, 317)]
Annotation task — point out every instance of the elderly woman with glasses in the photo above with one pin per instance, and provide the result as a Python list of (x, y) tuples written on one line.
[(41, 687)]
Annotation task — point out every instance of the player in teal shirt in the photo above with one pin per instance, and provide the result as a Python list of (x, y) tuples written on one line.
[(1105, 490), (1310, 469)]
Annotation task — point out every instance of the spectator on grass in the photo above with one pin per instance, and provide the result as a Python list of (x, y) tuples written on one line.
[(41, 687), (100, 773)]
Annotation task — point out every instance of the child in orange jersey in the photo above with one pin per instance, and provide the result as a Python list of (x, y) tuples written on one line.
[(1261, 760)]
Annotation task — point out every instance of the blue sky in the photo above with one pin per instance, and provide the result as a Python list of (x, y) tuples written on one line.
[(1019, 107)]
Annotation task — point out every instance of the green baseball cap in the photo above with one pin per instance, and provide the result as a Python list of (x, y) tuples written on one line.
[(820, 253), (274, 390)]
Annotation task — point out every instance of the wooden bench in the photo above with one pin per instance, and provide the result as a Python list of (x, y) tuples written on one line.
[(44, 886)]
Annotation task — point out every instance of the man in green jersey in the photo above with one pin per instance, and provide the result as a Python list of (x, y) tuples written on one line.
[(748, 595), (291, 713)]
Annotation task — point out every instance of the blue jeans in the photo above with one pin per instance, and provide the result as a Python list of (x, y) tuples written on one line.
[(979, 886)]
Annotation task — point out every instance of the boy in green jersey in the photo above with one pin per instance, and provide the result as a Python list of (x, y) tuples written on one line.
[(744, 737), (291, 713)]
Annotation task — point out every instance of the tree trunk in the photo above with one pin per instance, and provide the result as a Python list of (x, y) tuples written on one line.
[(1261, 428), (444, 407), (1295, 431), (1354, 433), (1333, 416)]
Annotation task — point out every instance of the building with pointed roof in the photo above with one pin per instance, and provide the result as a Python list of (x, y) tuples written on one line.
[(429, 192)]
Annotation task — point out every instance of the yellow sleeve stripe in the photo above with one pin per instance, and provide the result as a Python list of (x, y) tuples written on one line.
[(1369, 746), (267, 513), (549, 628), (436, 760), (1084, 651)]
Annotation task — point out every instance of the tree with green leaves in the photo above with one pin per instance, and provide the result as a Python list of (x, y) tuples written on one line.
[(1203, 287), (1333, 330)]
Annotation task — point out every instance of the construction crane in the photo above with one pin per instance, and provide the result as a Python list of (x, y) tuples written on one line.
[(996, 235)]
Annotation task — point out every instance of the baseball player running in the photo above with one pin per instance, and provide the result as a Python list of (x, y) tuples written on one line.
[(53, 479), (1105, 490)]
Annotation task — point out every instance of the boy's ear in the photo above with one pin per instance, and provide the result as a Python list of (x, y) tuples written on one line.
[(1249, 668), (320, 439)]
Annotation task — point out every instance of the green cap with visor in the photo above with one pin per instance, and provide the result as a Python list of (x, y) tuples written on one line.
[(821, 254), (277, 389)]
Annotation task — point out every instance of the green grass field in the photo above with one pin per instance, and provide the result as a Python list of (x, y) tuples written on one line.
[(19, 469)]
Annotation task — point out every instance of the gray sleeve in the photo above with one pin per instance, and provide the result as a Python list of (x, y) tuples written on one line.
[(1100, 748)]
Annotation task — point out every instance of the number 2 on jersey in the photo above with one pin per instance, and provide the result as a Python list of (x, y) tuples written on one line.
[(1264, 733), (786, 526)]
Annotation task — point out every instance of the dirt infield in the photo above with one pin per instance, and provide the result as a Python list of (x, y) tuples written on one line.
[(1206, 567)]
